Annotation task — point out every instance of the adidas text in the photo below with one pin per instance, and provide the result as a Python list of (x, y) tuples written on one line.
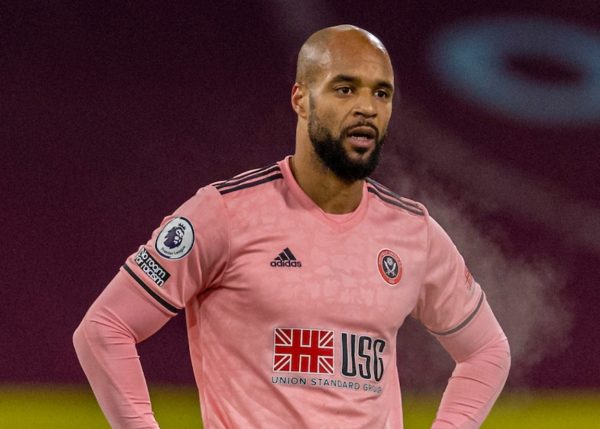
[(295, 264)]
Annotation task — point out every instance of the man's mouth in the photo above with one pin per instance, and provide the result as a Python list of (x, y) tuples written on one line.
[(362, 137)]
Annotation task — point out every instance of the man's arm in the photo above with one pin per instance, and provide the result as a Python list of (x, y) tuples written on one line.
[(105, 344), (482, 356), (185, 255), (453, 307)]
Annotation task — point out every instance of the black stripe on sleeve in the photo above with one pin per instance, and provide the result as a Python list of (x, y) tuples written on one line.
[(251, 184), (464, 322), (383, 189), (408, 205), (251, 172), (153, 294), (394, 201), (247, 177)]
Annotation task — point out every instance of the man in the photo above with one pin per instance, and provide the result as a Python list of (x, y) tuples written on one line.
[(295, 278)]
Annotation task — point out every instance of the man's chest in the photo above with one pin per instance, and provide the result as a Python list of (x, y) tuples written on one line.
[(364, 279)]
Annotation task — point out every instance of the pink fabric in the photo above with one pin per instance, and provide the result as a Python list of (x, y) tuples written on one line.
[(449, 294), (105, 344), (107, 335), (482, 356), (352, 283)]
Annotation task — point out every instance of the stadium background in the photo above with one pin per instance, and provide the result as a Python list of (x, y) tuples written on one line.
[(113, 113)]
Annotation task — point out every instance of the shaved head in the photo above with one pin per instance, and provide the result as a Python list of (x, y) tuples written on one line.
[(316, 53)]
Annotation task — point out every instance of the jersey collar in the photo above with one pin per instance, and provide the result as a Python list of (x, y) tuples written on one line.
[(338, 222)]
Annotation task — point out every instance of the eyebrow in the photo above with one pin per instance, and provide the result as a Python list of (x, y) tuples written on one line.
[(355, 80)]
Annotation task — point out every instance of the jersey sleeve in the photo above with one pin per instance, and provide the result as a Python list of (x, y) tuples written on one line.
[(449, 297), (185, 255)]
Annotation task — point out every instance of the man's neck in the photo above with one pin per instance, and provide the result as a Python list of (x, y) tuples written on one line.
[(330, 193)]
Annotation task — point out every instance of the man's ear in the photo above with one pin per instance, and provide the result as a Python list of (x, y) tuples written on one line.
[(300, 100)]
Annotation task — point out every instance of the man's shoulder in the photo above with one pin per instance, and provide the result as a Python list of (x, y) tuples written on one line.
[(238, 197), (394, 201), (248, 180)]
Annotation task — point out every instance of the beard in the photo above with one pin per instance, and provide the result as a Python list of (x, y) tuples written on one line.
[(334, 156)]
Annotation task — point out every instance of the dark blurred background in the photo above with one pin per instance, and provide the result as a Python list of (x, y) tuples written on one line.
[(114, 113)]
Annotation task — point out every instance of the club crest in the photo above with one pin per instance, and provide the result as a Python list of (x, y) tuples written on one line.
[(390, 266)]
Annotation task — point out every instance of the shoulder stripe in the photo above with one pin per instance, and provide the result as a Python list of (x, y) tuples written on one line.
[(247, 176), (153, 294), (390, 193), (249, 172), (382, 188), (250, 184), (464, 322), (241, 175), (385, 190), (394, 201)]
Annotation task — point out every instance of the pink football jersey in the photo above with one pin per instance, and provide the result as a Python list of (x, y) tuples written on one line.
[(292, 313)]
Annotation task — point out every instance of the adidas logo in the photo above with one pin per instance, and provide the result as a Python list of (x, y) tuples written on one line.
[(286, 259)]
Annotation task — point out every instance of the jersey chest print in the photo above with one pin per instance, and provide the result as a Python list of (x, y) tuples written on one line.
[(308, 357)]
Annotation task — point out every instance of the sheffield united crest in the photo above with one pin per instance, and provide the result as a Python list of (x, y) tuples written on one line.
[(390, 266)]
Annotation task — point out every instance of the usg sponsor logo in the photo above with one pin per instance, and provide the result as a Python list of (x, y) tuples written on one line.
[(362, 356), (176, 239), (303, 351), (151, 268)]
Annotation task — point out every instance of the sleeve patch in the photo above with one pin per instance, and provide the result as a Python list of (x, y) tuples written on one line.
[(151, 267), (176, 239)]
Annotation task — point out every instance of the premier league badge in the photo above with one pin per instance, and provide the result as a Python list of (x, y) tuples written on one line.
[(390, 266), (176, 239)]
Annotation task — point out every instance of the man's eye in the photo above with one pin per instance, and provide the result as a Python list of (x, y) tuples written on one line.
[(344, 90), (381, 94)]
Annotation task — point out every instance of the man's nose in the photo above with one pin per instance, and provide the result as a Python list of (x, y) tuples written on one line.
[(365, 105)]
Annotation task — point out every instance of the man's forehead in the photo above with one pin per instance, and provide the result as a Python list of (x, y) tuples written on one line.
[(354, 52), (359, 60)]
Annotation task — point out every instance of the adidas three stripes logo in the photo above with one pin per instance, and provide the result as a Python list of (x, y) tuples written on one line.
[(286, 259)]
